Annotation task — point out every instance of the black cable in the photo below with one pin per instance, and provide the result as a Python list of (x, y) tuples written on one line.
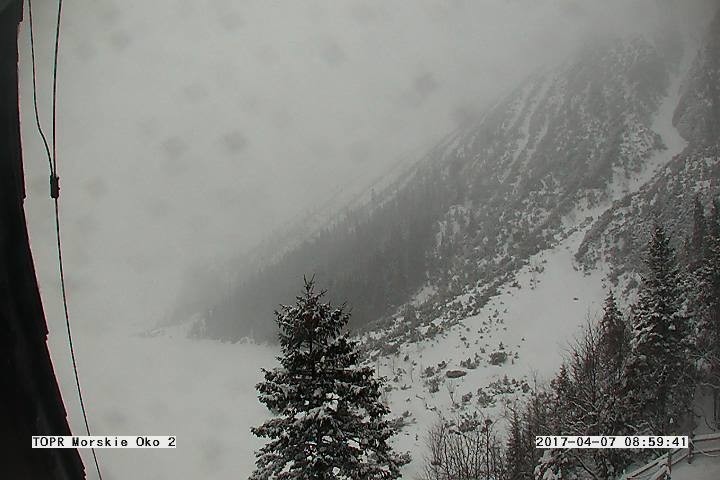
[(54, 88), (34, 84), (67, 325), (55, 193)]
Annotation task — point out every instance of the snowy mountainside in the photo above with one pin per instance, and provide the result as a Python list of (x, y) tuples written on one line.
[(547, 185), (489, 360), (469, 360), (481, 203), (694, 171)]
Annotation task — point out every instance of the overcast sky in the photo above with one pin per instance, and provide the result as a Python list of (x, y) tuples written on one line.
[(189, 130)]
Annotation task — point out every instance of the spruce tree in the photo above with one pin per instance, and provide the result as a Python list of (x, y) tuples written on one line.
[(707, 307), (658, 376), (613, 342), (517, 450), (613, 350), (330, 422), (536, 423), (564, 396), (696, 244), (707, 296), (562, 420)]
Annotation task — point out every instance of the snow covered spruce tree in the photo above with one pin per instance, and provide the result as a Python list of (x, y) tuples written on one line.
[(613, 342), (613, 350), (330, 423), (659, 373), (707, 303)]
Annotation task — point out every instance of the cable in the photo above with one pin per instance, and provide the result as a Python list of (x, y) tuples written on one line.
[(67, 325), (54, 88), (34, 84), (55, 194)]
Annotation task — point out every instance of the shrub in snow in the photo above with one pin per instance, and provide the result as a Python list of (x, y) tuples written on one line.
[(433, 385), (498, 358)]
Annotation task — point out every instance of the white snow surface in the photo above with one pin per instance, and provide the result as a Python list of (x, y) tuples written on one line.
[(702, 468), (537, 323)]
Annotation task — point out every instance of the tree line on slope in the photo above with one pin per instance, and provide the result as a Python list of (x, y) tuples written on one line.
[(628, 374)]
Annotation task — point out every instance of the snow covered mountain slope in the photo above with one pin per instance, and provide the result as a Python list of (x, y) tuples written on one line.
[(518, 337), (535, 169), (555, 183), (475, 358), (693, 171), (469, 360)]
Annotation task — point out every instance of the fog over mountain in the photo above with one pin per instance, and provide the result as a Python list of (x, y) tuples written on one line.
[(497, 189), (189, 131)]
